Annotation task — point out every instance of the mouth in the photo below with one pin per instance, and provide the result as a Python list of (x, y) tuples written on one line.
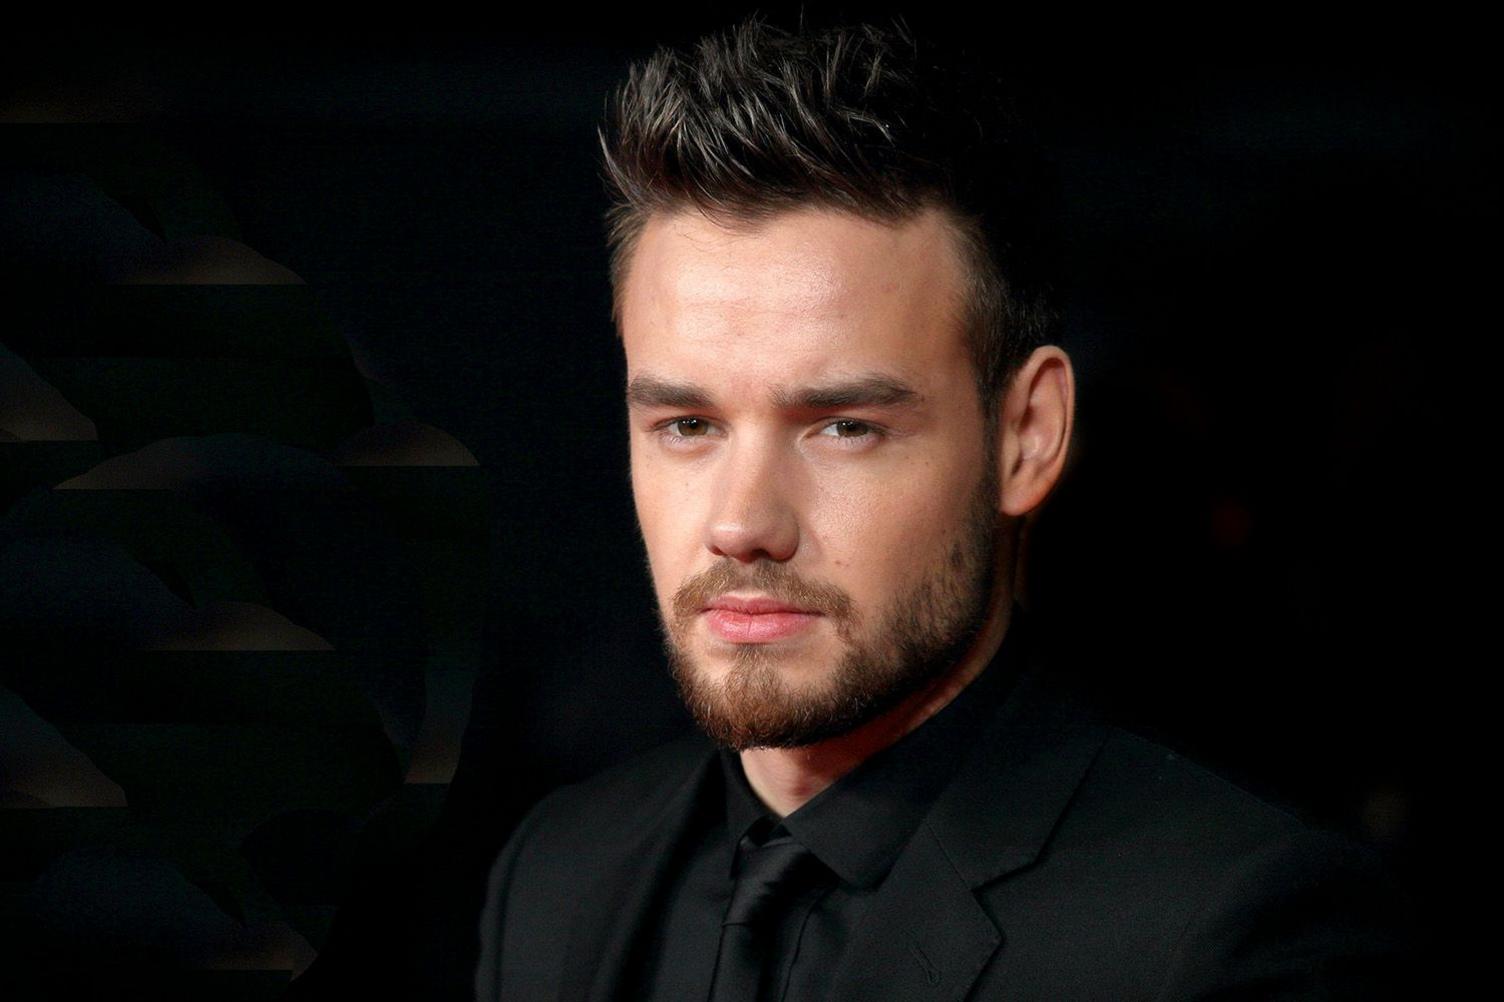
[(756, 620)]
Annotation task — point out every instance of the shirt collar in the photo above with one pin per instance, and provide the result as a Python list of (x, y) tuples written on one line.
[(858, 825)]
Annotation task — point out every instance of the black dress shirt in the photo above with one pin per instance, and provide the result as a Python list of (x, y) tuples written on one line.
[(856, 827)]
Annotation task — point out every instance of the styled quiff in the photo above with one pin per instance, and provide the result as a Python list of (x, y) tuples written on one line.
[(865, 119)]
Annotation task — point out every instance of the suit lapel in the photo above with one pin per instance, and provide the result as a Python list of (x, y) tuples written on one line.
[(1002, 807), (927, 936), (608, 916)]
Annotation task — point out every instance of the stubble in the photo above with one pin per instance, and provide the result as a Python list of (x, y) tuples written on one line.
[(918, 637)]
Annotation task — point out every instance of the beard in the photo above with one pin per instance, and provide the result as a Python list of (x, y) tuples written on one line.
[(918, 638)]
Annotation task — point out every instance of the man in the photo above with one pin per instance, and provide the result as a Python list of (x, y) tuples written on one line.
[(843, 402)]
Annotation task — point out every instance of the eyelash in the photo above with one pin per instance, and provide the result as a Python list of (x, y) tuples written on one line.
[(664, 430)]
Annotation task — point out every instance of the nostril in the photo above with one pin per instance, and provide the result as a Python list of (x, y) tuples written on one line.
[(774, 541)]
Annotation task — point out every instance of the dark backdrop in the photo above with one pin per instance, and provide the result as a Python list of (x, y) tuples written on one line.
[(1266, 247)]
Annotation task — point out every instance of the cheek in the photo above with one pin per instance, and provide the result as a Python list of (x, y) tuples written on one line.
[(664, 500), (648, 504), (882, 532)]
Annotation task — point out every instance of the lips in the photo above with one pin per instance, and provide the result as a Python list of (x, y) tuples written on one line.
[(756, 620), (756, 606)]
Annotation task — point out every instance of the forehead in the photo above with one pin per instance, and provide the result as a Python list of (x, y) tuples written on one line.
[(811, 290)]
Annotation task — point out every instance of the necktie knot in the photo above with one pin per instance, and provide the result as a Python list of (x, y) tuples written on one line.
[(768, 876)]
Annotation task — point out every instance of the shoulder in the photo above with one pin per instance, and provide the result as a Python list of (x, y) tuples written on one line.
[(1232, 892), (623, 796), (1140, 790), (1178, 882), (1126, 787), (1154, 814), (1113, 787), (611, 807), (562, 849)]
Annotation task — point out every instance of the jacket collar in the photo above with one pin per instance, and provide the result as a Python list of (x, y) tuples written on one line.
[(993, 819)]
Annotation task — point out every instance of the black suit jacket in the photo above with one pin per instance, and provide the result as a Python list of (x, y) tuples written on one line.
[(1066, 860)]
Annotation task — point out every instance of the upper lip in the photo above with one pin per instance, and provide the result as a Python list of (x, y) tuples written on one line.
[(754, 606)]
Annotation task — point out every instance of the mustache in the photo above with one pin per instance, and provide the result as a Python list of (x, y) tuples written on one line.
[(773, 579)]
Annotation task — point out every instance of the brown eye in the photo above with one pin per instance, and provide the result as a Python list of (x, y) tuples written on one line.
[(690, 427), (847, 429)]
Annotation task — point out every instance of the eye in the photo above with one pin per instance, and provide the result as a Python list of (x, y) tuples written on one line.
[(688, 427), (848, 428), (683, 432)]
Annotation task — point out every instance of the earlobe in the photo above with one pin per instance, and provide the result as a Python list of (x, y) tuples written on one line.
[(1038, 414)]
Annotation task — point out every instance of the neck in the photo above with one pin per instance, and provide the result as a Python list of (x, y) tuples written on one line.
[(787, 778)]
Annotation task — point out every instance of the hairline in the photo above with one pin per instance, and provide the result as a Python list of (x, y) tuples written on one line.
[(628, 222)]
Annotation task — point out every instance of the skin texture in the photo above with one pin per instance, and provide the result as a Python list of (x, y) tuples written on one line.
[(882, 510)]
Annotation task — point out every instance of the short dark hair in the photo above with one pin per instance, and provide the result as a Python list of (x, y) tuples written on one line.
[(862, 118)]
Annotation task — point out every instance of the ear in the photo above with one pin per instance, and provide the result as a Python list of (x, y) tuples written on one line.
[(1034, 429)]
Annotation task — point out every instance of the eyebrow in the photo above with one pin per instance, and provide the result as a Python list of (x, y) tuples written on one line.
[(872, 390)]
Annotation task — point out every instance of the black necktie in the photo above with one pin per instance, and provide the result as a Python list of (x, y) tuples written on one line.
[(768, 877)]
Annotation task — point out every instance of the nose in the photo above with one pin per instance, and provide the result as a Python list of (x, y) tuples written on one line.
[(752, 518)]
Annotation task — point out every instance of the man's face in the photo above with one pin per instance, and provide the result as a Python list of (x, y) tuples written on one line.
[(817, 499)]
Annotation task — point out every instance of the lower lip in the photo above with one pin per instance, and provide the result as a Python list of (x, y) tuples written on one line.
[(759, 628)]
